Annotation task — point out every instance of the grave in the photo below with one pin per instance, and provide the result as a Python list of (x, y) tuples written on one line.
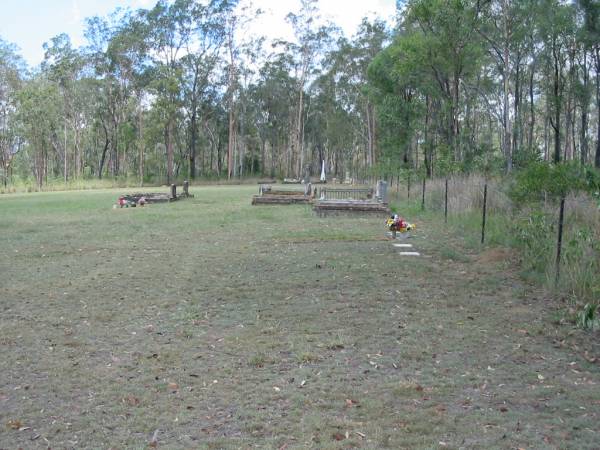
[(350, 201), (269, 196), (158, 197)]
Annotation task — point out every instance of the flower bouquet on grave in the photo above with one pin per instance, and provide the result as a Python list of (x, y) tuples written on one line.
[(396, 223), (123, 202)]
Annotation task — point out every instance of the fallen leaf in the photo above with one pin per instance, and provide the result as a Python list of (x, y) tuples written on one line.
[(131, 400), (339, 437), (14, 424), (173, 386), (419, 388)]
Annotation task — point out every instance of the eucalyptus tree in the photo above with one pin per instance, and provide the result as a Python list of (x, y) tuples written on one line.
[(169, 29), (273, 96), (451, 50), (12, 72), (240, 47), (502, 24), (200, 65), (590, 36), (311, 42), (348, 65), (63, 65), (556, 26), (39, 115), (116, 53)]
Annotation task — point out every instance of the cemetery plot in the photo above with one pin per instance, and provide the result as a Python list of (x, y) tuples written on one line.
[(140, 199), (352, 201), (267, 195)]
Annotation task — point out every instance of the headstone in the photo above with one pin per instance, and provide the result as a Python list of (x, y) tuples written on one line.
[(382, 192), (173, 192), (307, 174), (307, 189), (186, 187)]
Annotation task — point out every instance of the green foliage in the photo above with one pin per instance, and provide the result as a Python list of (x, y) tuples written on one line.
[(531, 234), (541, 180), (588, 318)]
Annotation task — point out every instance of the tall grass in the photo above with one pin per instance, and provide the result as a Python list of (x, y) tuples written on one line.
[(23, 185), (530, 230)]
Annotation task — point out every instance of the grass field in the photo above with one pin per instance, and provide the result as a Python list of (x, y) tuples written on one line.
[(209, 323)]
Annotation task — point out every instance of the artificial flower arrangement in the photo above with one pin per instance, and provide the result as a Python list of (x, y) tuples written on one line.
[(396, 223)]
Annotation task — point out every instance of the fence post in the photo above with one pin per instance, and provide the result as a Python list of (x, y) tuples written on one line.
[(173, 192), (561, 217), (484, 212), (186, 187)]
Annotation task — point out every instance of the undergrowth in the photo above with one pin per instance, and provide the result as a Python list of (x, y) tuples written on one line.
[(531, 231)]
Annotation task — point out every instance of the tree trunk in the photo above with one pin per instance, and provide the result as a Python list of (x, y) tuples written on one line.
[(170, 151), (231, 143), (557, 104), (506, 139), (104, 152), (530, 144), (584, 112), (193, 139), (141, 146), (299, 141), (597, 159)]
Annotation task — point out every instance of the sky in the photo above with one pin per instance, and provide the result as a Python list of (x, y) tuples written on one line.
[(30, 23)]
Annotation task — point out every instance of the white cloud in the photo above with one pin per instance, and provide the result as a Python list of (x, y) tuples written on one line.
[(144, 3), (347, 14), (75, 12)]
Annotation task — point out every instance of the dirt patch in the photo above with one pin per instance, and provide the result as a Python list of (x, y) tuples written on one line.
[(495, 255)]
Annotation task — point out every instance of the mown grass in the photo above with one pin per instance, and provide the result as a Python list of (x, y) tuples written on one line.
[(223, 325)]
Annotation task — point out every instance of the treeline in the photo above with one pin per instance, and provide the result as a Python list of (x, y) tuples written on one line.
[(472, 85), (181, 90)]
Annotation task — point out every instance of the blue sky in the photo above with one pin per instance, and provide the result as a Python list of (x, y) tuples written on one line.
[(30, 23)]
